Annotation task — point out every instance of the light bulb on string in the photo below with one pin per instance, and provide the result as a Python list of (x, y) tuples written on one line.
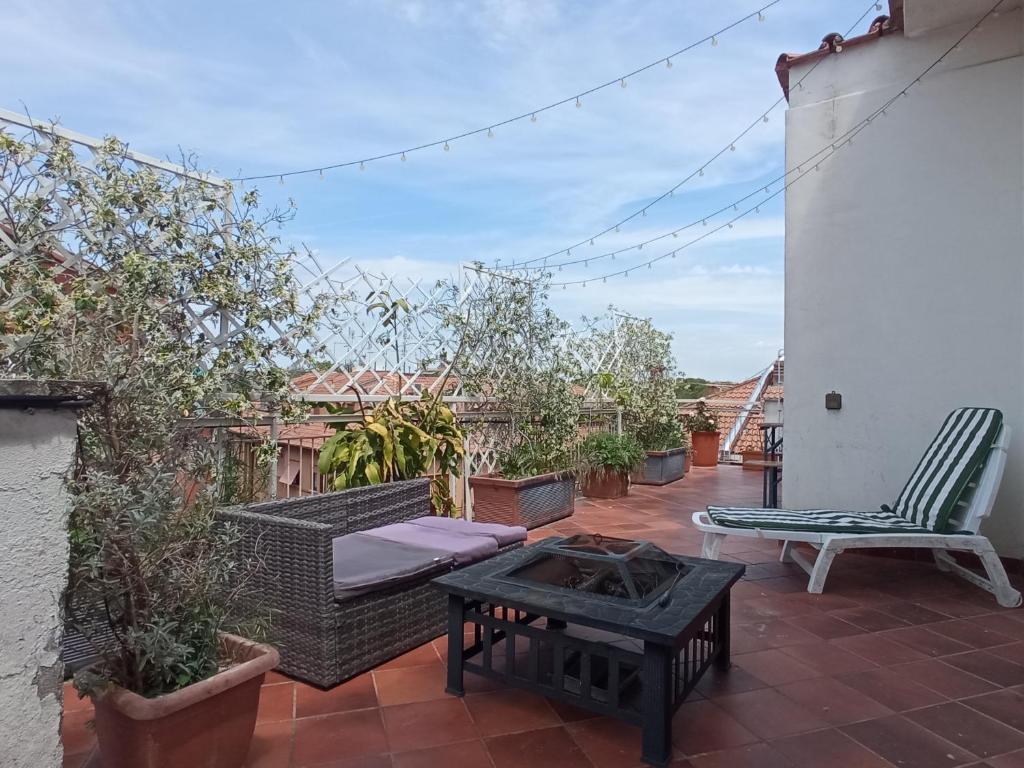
[(533, 118), (643, 212), (584, 283), (321, 174), (735, 207), (591, 241), (649, 264), (640, 247), (626, 273), (578, 102), (732, 147), (668, 63), (604, 279), (675, 234), (760, 16), (622, 82), (403, 157), (704, 222), (361, 166), (446, 147), (280, 180), (730, 225), (714, 40), (764, 119), (490, 134), (616, 227), (701, 172), (767, 190)]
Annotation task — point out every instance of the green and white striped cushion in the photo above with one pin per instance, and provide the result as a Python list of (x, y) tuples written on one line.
[(961, 447), (825, 520)]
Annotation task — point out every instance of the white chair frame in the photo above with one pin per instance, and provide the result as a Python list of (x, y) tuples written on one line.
[(973, 508)]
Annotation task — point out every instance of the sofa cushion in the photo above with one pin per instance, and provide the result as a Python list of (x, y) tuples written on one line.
[(364, 564), (503, 534), (464, 549)]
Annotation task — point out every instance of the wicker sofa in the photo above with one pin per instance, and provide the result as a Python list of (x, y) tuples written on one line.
[(321, 640)]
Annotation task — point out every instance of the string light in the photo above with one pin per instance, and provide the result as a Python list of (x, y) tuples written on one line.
[(403, 157), (361, 166), (531, 114), (321, 174), (700, 172), (844, 141), (280, 180), (760, 16), (446, 147), (490, 134)]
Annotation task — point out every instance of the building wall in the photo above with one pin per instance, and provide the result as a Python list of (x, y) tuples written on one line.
[(905, 265), (36, 451)]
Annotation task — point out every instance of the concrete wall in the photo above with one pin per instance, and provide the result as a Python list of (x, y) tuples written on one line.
[(36, 451), (905, 265)]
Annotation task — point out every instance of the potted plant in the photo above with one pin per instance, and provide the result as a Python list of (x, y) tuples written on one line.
[(154, 582), (702, 424), (512, 356), (643, 389), (606, 461), (398, 440)]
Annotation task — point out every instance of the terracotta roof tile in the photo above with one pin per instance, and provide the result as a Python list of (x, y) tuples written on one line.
[(833, 42)]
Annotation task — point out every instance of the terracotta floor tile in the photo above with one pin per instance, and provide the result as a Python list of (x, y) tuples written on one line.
[(906, 744), (271, 746), (277, 702), (717, 683), (510, 710), (774, 667), (570, 714), (939, 676), (347, 735), (357, 693), (868, 619), (409, 684), (833, 701), (773, 633), (460, 754), (1012, 760), (988, 666), (546, 748), (1014, 652), (754, 756), (969, 632), (1006, 706), (980, 603), (425, 654), (828, 659), (824, 626), (830, 748), (924, 640), (428, 724), (608, 743), (912, 613), (877, 647), (768, 714), (1004, 624), (366, 761), (897, 692), (701, 726), (969, 729)]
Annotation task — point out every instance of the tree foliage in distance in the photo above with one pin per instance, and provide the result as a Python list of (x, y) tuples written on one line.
[(691, 388), (103, 271)]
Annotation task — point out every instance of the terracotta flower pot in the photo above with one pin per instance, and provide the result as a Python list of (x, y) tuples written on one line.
[(532, 501), (662, 467), (705, 448), (207, 725), (605, 485)]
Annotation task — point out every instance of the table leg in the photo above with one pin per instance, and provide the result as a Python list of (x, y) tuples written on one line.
[(724, 631), (456, 644), (657, 705)]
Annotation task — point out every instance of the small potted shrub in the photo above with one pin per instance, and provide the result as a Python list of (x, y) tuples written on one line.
[(665, 458), (606, 461), (702, 424)]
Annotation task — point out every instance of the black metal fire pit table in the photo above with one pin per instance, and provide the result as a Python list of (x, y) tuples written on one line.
[(615, 626)]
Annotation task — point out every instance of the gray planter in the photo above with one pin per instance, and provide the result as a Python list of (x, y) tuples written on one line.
[(531, 502), (662, 467)]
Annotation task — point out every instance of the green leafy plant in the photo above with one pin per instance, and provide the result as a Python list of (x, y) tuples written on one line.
[(398, 440), (701, 419), (512, 355), (103, 270), (606, 453), (640, 381)]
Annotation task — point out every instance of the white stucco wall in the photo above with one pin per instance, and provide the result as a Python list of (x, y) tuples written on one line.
[(905, 265), (36, 451)]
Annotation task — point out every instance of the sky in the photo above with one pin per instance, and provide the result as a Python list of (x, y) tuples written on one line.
[(268, 87)]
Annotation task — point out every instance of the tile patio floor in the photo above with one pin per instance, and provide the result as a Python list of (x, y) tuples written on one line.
[(895, 665)]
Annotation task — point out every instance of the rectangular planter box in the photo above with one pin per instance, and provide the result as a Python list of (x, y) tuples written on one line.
[(662, 467), (531, 502)]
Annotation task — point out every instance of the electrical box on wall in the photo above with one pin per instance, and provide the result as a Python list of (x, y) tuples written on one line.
[(833, 401)]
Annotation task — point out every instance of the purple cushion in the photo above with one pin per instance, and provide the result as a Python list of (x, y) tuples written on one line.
[(364, 564), (464, 549), (503, 534)]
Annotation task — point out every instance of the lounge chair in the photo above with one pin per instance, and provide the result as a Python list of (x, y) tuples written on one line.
[(949, 494)]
